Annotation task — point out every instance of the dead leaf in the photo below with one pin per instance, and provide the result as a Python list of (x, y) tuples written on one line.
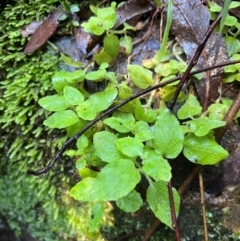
[(82, 39), (30, 28), (190, 22), (44, 31)]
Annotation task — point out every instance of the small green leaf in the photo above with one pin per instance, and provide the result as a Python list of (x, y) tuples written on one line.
[(102, 57), (122, 122), (82, 142), (94, 25), (111, 45), (234, 4), (217, 111), (106, 148), (107, 16), (72, 95), (214, 7), (233, 45), (130, 146), (158, 199), (70, 62), (59, 81), (61, 119), (155, 166), (202, 126), (140, 76), (166, 93), (230, 21), (75, 76), (97, 214), (130, 203), (96, 103), (54, 103), (142, 131), (145, 114), (82, 190), (230, 69), (203, 150), (168, 135), (126, 44), (98, 75), (190, 108), (116, 180)]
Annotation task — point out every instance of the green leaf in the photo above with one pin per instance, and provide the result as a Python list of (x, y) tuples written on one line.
[(59, 81), (94, 25), (126, 44), (202, 126), (111, 45), (203, 150), (98, 75), (82, 142), (116, 180), (131, 202), (61, 119), (86, 111), (140, 76), (217, 111), (96, 103), (166, 93), (168, 135), (130, 146), (111, 76), (82, 190), (72, 95), (230, 69), (75, 76), (107, 16), (230, 21), (145, 114), (155, 166), (214, 7), (190, 108), (70, 62), (158, 199), (54, 103), (106, 148), (102, 57), (234, 4), (122, 122), (97, 214), (142, 131), (233, 45)]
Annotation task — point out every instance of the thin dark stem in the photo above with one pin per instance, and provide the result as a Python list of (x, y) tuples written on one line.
[(173, 213), (194, 59), (73, 139)]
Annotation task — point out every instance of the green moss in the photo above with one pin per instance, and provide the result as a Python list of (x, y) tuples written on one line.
[(42, 205)]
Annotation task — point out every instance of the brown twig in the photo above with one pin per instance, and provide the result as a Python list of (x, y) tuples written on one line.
[(205, 228), (173, 212)]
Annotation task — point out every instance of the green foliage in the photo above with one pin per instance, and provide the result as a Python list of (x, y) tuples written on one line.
[(114, 156), (40, 205), (136, 140), (104, 20)]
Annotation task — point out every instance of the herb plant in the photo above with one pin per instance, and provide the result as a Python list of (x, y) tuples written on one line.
[(136, 140)]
